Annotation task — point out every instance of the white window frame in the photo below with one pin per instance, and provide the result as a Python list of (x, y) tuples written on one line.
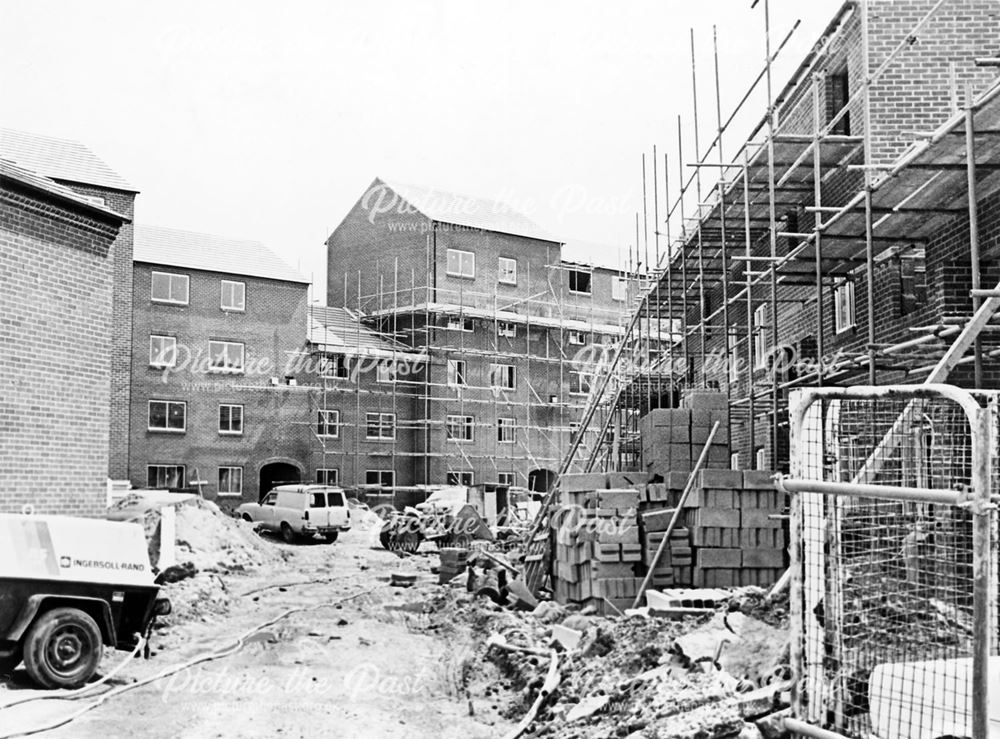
[(585, 380), (507, 271), (590, 284), (457, 369), (380, 473), (183, 473), (334, 367), (166, 429), (506, 430), (576, 338), (464, 270), (323, 476), (323, 423), (385, 372), (230, 493), (464, 478), (733, 360), (507, 478), (229, 431), (844, 307), (464, 425), (240, 306), (381, 422), (760, 458), (619, 289), (506, 329), (213, 344), (173, 351), (574, 429), (459, 323), (760, 316), (171, 277), (503, 376), (734, 461)]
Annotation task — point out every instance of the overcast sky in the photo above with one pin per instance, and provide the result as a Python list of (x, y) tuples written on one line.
[(267, 120)]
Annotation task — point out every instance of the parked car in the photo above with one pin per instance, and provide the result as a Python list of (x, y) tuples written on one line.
[(68, 588), (300, 511)]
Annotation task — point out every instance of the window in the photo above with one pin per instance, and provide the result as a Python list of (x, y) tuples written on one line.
[(837, 94), (165, 476), (507, 329), (619, 288), (380, 426), (328, 476), (508, 271), (579, 382), (506, 478), (328, 423), (460, 478), (162, 351), (335, 366), (579, 281), (167, 415), (381, 478), (502, 376), (574, 430), (505, 429), (168, 288), (386, 371), (912, 281), (456, 372), (461, 263), (230, 481), (843, 306), (760, 335), (760, 458), (459, 428), (577, 338), (734, 461), (230, 419), (457, 323), (234, 295), (226, 356), (733, 360)]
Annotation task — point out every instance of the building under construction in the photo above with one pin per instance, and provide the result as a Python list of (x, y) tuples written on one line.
[(847, 240)]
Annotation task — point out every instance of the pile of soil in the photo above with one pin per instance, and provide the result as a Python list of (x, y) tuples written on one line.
[(215, 542)]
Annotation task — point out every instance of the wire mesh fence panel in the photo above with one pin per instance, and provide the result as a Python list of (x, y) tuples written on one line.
[(884, 576)]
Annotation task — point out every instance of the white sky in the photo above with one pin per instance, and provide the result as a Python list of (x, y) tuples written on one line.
[(267, 120)]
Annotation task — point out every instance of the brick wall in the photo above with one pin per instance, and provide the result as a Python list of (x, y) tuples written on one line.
[(56, 330)]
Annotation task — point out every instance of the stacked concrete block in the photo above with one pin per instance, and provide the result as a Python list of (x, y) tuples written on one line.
[(673, 438), (598, 550), (453, 562)]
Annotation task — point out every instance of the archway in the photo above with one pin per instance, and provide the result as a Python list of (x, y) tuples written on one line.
[(541, 480), (277, 473)]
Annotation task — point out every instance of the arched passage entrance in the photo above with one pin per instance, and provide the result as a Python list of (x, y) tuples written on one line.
[(278, 473), (541, 480)]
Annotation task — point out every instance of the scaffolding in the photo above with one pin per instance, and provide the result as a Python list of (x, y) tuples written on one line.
[(750, 242)]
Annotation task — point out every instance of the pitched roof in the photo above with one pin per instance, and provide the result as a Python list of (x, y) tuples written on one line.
[(59, 159), (592, 253), (464, 210), (340, 331), (176, 248), (38, 183)]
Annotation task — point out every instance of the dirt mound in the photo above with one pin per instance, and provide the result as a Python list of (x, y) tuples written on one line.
[(215, 542)]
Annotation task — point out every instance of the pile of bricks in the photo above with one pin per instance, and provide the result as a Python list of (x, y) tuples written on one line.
[(453, 562), (598, 550), (729, 532), (672, 438)]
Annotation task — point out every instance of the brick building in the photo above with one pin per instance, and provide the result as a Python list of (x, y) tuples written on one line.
[(876, 292), (218, 325), (507, 326), (76, 167), (57, 304)]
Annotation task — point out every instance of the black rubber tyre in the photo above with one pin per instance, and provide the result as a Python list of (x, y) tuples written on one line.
[(63, 648), (287, 533), (385, 539), (331, 537), (247, 517)]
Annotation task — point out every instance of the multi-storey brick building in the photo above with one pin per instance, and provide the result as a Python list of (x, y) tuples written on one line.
[(57, 302), (486, 295), (75, 166), (875, 285)]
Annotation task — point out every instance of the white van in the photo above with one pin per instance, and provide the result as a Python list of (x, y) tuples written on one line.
[(301, 510)]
